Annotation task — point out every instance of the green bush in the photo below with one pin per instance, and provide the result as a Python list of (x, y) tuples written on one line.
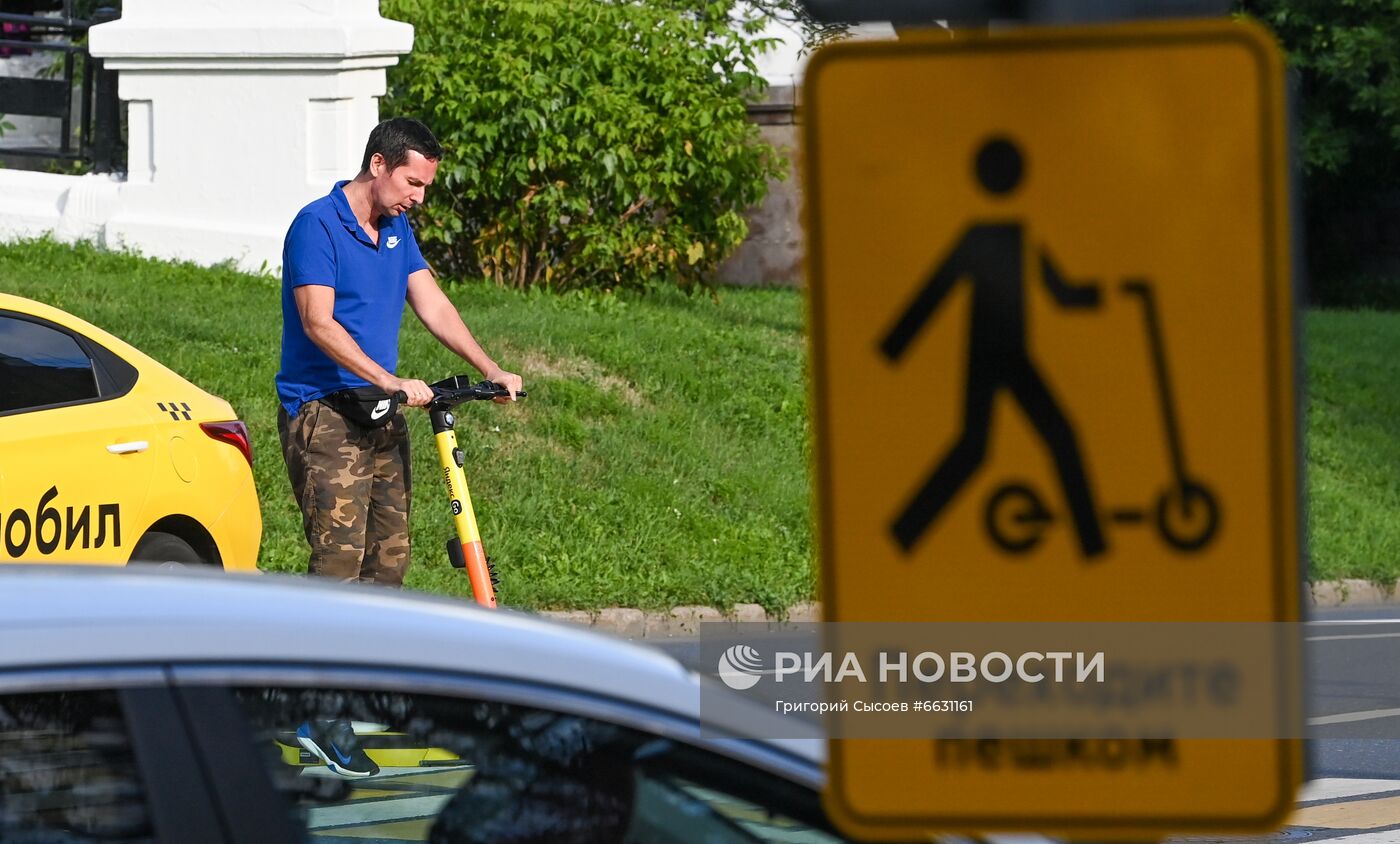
[(1346, 78), (590, 143)]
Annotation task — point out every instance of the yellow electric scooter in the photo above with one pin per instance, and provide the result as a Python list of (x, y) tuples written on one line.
[(464, 552), (385, 747)]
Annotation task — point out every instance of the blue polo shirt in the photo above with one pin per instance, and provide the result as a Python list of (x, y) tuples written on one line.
[(326, 245)]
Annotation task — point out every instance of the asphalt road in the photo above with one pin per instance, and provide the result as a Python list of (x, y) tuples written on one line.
[(1353, 681)]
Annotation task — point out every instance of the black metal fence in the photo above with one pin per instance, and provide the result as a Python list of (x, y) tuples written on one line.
[(90, 133)]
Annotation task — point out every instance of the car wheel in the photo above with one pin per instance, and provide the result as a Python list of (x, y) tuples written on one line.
[(165, 549)]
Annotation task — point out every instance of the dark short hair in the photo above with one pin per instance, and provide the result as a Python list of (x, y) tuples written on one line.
[(395, 137)]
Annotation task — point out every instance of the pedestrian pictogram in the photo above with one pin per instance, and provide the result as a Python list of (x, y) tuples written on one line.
[(1053, 366), (990, 256)]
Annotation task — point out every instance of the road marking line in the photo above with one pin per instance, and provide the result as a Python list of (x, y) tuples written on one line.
[(1353, 636), (382, 833), (386, 772), (453, 778), (1358, 814), (1388, 837), (1333, 788), (371, 794), (1349, 717), (408, 808)]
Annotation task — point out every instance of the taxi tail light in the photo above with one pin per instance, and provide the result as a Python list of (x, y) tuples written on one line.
[(234, 433)]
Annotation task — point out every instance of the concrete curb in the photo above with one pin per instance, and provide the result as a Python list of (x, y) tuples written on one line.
[(1352, 593), (685, 621), (677, 622)]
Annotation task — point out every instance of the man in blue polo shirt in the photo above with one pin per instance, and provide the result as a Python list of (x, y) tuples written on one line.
[(349, 264)]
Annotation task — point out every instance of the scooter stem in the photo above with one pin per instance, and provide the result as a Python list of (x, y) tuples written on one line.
[(1141, 289), (472, 555)]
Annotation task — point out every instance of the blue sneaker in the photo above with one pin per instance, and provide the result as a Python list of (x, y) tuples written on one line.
[(334, 743)]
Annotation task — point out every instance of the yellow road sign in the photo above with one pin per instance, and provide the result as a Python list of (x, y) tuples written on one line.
[(1054, 380)]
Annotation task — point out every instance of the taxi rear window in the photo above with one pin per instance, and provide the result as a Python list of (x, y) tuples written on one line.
[(41, 366), (45, 365)]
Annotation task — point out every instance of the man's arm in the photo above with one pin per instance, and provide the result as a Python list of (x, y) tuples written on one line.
[(1067, 293), (316, 306), (930, 296), (440, 317)]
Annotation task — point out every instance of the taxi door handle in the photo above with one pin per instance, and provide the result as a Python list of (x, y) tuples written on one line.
[(128, 448)]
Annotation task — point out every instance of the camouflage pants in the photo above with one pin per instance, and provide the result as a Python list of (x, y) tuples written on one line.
[(353, 487)]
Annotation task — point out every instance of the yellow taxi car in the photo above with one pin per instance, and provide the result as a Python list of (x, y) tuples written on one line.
[(106, 456)]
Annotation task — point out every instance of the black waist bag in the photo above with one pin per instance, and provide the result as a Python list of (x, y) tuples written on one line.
[(367, 407)]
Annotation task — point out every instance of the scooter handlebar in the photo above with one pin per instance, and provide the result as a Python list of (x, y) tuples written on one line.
[(492, 390), (458, 389)]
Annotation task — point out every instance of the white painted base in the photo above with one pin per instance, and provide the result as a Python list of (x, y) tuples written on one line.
[(70, 208), (250, 247), (239, 113), (91, 208)]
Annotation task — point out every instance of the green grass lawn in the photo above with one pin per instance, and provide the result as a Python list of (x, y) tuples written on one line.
[(1353, 444), (661, 458)]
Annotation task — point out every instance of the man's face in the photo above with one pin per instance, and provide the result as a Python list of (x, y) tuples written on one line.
[(398, 190)]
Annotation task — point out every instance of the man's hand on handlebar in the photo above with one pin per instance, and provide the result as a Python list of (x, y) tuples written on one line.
[(509, 380), (418, 393)]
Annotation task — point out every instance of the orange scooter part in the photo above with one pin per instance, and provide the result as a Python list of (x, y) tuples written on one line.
[(479, 573)]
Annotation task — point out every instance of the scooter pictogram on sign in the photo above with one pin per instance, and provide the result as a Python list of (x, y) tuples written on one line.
[(1185, 513), (989, 255)]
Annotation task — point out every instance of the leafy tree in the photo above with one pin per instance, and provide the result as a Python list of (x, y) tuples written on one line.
[(1346, 55), (589, 142), (793, 13)]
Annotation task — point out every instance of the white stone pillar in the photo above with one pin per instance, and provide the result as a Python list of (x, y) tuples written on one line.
[(239, 113)]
